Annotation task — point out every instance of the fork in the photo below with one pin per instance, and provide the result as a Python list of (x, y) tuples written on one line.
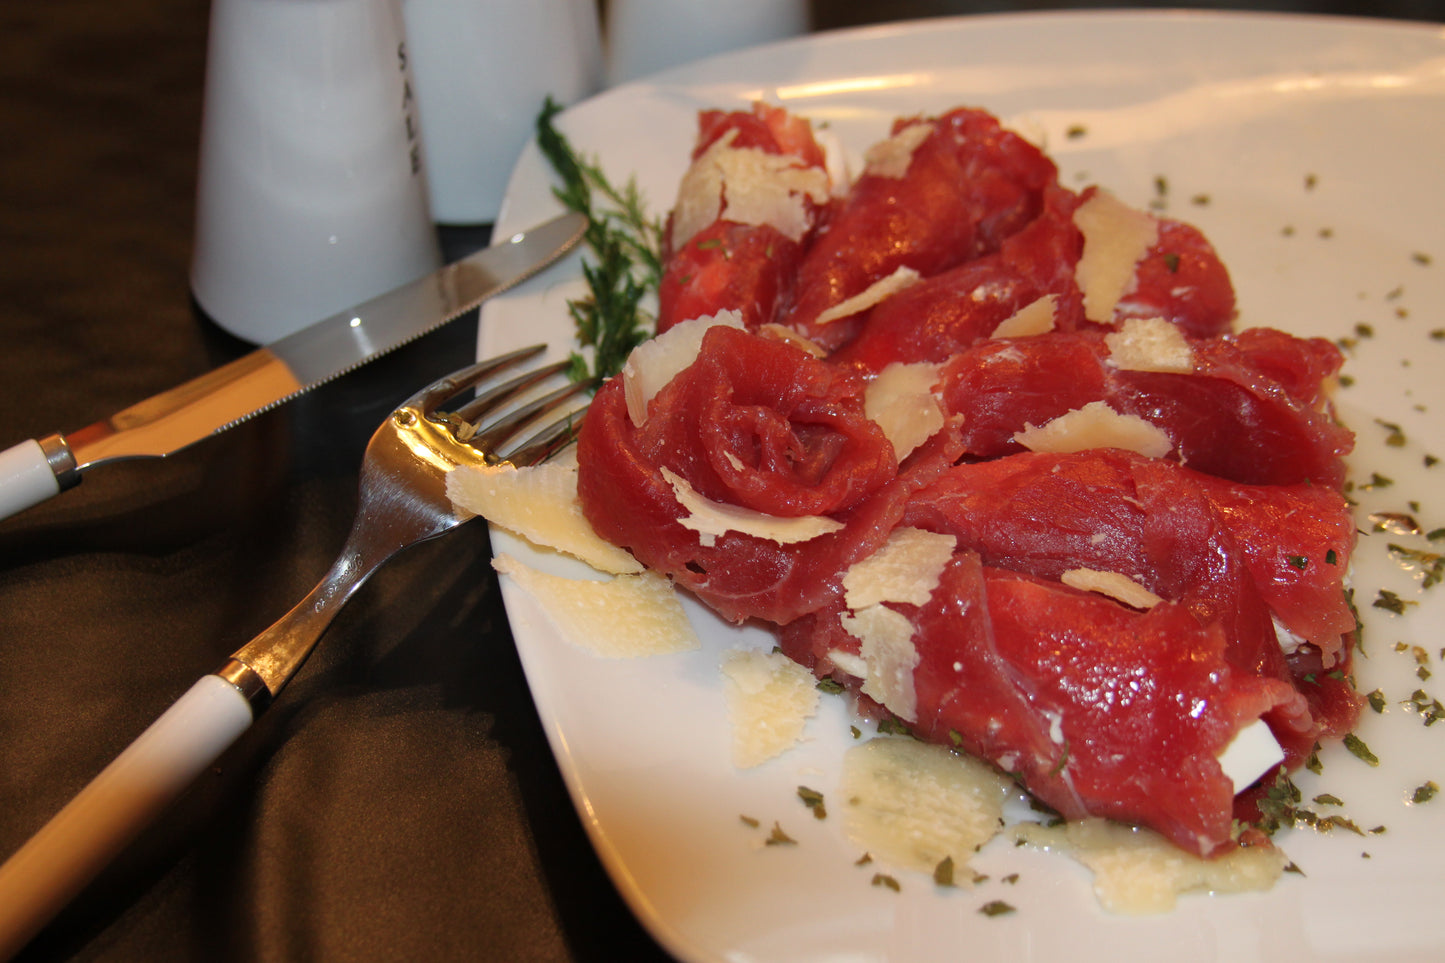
[(403, 501)]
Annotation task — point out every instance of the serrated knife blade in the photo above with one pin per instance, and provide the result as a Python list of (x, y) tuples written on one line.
[(164, 424)]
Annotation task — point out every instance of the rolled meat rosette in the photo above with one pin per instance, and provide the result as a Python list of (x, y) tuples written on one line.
[(751, 477)]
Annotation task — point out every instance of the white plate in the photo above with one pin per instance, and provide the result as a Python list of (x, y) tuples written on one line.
[(1319, 145)]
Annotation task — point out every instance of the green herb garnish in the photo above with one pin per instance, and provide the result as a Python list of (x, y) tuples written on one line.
[(814, 801), (996, 907), (779, 838), (1357, 747), (626, 244)]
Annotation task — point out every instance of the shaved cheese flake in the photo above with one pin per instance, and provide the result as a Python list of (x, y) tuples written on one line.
[(880, 290), (747, 185), (1116, 238), (1096, 425), (624, 617), (540, 504), (711, 519), (1138, 872), (906, 569), (1036, 317), (850, 662), (655, 362), (888, 650), (900, 400), (913, 805), (781, 332), (890, 158), (1252, 752), (1150, 344), (769, 701), (1115, 585)]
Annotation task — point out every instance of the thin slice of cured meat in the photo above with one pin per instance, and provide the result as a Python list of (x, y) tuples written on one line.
[(744, 266), (1229, 552), (762, 425), (1182, 280), (1228, 416), (1096, 708), (950, 312), (967, 186)]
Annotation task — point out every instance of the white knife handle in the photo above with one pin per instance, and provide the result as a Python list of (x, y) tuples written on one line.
[(57, 862), (26, 478)]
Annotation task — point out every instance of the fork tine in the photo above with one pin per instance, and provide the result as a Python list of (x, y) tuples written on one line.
[(495, 433), (434, 394), (548, 441), (494, 397)]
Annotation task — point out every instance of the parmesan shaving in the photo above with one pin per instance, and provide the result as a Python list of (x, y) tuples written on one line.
[(1096, 425), (769, 701), (913, 805), (1138, 872), (1036, 317), (540, 504), (900, 400), (711, 519), (880, 290), (655, 362), (624, 617), (747, 185), (1116, 238), (891, 158), (781, 332), (887, 648), (906, 569), (1115, 585), (1150, 344)]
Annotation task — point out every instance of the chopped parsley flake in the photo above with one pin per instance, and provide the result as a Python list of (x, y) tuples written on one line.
[(1391, 602), (996, 907), (1396, 435), (1397, 522), (814, 801), (1429, 567), (1424, 793), (831, 686), (943, 872), (883, 879), (779, 838), (1376, 700), (1421, 258), (1359, 750), (893, 727), (1298, 561)]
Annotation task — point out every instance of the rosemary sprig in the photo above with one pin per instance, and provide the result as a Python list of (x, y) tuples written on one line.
[(626, 244)]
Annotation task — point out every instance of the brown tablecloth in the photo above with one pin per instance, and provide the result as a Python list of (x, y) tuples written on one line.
[(400, 800)]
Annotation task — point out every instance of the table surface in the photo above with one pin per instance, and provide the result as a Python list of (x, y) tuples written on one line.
[(400, 801)]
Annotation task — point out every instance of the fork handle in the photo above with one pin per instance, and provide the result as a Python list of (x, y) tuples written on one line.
[(50, 869)]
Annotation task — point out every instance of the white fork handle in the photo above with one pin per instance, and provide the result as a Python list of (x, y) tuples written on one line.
[(25, 478), (50, 869)]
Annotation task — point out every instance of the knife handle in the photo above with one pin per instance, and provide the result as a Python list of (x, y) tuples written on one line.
[(33, 471), (59, 860)]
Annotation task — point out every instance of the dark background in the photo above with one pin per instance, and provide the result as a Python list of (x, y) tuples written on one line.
[(306, 841)]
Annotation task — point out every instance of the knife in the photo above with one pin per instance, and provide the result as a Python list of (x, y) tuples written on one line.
[(37, 469)]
